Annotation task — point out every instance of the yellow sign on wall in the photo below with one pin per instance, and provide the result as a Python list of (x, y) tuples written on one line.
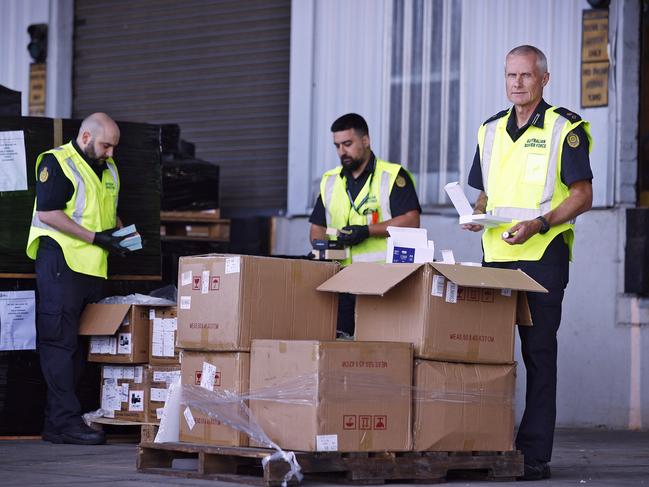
[(37, 89), (594, 58)]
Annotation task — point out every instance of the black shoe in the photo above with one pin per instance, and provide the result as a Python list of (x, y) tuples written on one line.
[(82, 435), (536, 471), (51, 436)]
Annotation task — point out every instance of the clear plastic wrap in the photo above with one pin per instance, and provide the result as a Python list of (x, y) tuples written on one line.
[(164, 296), (232, 409)]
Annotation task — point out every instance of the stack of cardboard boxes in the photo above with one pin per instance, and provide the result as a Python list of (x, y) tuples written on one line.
[(136, 345), (461, 321), (227, 301)]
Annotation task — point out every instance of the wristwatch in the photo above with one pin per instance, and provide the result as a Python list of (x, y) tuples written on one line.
[(545, 226)]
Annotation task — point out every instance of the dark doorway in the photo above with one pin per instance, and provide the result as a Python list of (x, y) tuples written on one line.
[(643, 125)]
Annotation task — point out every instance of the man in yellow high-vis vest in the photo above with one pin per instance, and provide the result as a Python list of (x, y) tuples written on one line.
[(532, 165), (75, 214), (361, 198)]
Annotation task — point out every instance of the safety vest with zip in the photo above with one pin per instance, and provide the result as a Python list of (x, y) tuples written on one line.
[(372, 205), (522, 180), (93, 205)]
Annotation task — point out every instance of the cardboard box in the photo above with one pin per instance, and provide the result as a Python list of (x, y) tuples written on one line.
[(231, 373), (119, 333), (158, 379), (463, 407), (225, 301), (449, 312), (349, 396), (162, 337), (124, 392)]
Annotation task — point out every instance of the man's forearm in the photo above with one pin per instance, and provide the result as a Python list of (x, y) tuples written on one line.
[(408, 219), (579, 201), (317, 232), (64, 224)]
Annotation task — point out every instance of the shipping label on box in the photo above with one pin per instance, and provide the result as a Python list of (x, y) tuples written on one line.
[(160, 377), (225, 301), (349, 396), (162, 336), (124, 392), (217, 371)]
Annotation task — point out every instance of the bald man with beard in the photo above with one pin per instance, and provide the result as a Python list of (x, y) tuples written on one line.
[(75, 214)]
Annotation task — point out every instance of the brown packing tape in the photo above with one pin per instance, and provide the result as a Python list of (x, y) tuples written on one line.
[(58, 132), (468, 444)]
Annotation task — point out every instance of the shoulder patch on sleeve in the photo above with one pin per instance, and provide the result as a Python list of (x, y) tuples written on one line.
[(498, 115), (571, 116)]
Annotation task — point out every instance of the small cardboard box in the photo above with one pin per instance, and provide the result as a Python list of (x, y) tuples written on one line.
[(409, 245), (162, 337), (231, 373), (463, 407), (348, 396), (449, 312), (158, 379), (119, 333), (124, 392), (224, 301)]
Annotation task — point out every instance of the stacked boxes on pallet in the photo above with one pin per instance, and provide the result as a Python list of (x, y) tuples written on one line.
[(135, 342), (461, 320), (227, 301)]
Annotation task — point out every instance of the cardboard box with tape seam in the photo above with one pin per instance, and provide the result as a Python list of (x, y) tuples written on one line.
[(337, 395), (225, 301), (119, 333), (231, 372), (463, 407), (450, 312)]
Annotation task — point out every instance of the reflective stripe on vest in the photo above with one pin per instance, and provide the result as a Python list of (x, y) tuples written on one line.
[(516, 186), (340, 213), (93, 206)]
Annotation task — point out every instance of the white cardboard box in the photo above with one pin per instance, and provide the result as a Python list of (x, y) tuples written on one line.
[(464, 209), (409, 245)]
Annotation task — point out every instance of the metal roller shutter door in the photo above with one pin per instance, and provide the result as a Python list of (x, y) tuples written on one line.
[(220, 69)]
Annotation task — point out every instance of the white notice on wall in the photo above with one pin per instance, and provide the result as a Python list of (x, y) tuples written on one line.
[(13, 163), (17, 320)]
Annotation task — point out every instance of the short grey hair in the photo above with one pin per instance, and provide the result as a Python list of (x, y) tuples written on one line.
[(524, 50)]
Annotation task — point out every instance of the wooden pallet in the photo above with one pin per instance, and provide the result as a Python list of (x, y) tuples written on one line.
[(145, 431), (194, 225), (243, 465)]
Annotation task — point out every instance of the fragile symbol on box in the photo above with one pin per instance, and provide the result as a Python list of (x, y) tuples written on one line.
[(196, 283), (199, 373), (380, 422), (349, 422), (215, 283), (365, 422)]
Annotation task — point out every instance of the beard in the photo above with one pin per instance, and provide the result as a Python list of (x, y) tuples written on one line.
[(92, 154), (350, 164)]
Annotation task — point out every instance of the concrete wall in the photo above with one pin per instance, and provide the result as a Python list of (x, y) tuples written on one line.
[(601, 366)]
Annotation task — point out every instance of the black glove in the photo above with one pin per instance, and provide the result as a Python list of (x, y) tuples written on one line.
[(353, 234), (107, 241)]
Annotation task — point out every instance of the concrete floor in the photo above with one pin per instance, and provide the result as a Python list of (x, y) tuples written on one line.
[(581, 457)]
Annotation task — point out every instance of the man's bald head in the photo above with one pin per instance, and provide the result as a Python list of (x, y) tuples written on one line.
[(98, 135)]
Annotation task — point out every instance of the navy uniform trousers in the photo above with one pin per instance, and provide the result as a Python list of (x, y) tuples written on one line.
[(62, 295), (539, 349)]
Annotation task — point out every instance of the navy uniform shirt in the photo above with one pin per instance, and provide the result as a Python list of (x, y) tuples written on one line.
[(402, 199), (57, 189)]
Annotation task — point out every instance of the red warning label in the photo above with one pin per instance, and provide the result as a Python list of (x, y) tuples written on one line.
[(380, 422), (215, 283), (349, 422), (196, 283), (365, 422)]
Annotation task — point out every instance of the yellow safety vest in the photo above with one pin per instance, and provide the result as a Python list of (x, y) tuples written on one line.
[(373, 197), (93, 206), (522, 180)]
